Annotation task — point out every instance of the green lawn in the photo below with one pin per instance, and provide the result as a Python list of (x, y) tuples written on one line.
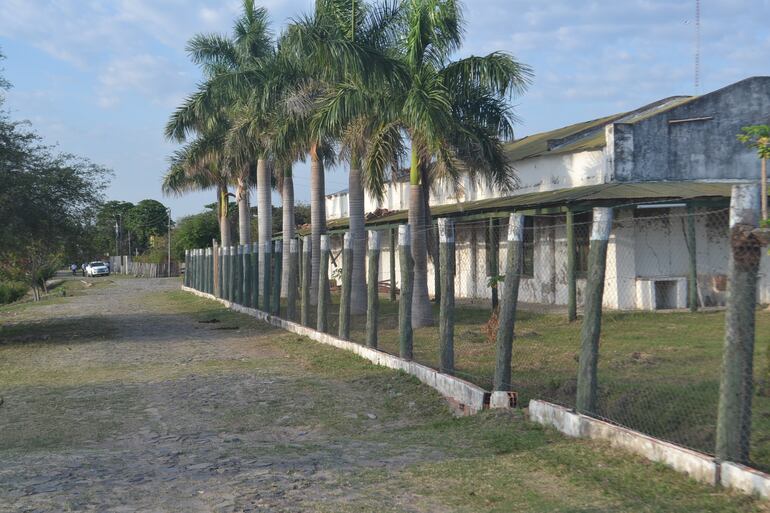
[(658, 372)]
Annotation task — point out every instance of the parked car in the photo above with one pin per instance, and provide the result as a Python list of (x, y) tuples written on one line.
[(97, 268)]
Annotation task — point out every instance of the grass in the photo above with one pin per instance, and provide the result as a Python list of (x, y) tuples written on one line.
[(414, 455), (658, 372)]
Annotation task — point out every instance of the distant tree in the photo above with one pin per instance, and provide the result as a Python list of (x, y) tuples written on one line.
[(149, 218), (757, 137), (301, 216), (195, 231)]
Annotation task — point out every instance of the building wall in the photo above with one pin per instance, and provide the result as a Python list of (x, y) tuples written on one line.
[(537, 174), (704, 148)]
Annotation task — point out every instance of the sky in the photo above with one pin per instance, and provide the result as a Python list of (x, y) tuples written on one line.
[(99, 78)]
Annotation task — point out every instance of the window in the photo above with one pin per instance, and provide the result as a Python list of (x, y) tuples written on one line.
[(529, 246), (582, 227)]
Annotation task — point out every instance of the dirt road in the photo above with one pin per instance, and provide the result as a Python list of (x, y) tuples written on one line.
[(132, 396)]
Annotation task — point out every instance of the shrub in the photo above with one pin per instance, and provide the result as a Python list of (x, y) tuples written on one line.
[(11, 291)]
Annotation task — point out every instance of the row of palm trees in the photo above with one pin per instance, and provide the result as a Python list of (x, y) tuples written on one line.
[(361, 84)]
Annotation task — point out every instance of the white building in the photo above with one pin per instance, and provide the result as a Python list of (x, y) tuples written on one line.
[(654, 164)]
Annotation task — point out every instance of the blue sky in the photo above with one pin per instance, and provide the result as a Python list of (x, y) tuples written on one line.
[(100, 77)]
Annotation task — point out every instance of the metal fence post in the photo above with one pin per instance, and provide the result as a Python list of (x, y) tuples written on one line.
[(587, 385), (373, 296), (446, 234), (737, 381)]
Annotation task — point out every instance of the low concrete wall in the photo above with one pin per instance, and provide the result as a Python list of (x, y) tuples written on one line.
[(700, 467), (469, 397), (746, 479)]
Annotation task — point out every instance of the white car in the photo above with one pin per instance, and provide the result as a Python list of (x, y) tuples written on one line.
[(97, 269)]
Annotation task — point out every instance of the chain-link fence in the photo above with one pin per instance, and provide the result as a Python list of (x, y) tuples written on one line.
[(658, 328)]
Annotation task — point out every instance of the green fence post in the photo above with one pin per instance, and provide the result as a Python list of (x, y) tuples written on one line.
[(306, 281), (406, 264), (571, 269), (347, 276), (737, 382), (246, 276), (186, 267), (507, 319), (373, 292), (446, 234), (587, 384), (275, 302), (291, 280), (392, 254), (266, 270), (322, 322)]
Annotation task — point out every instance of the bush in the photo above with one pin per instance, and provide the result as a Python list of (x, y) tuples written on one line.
[(11, 291)]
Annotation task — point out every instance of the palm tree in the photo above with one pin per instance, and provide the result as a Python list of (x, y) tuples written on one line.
[(198, 166), (232, 67), (455, 113), (341, 42)]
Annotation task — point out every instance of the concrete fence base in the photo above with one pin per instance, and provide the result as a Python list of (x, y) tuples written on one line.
[(468, 397), (699, 466)]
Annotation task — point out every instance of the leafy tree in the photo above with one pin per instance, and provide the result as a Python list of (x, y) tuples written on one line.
[(149, 218), (757, 137), (193, 232)]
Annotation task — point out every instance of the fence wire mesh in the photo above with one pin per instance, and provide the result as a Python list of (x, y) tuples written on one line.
[(662, 321)]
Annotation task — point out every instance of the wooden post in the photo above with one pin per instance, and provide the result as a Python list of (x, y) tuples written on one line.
[(233, 271), (392, 254), (446, 235), (219, 273), (736, 386), (493, 259), (405, 297), (322, 322), (306, 280), (514, 261), (266, 270), (587, 385), (246, 276), (571, 268), (347, 276), (209, 270), (291, 280), (373, 295), (692, 283), (275, 302), (254, 264)]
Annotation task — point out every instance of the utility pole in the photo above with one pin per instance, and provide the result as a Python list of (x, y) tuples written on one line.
[(168, 236)]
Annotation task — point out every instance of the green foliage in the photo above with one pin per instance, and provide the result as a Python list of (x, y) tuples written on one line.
[(48, 203), (757, 137), (11, 291), (149, 218), (195, 231)]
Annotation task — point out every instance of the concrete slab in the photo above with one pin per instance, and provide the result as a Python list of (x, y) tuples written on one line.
[(746, 479)]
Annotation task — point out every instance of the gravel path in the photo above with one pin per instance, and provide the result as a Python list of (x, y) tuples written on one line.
[(121, 401)]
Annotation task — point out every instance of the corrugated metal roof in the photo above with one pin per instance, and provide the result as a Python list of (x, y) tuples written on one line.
[(589, 195)]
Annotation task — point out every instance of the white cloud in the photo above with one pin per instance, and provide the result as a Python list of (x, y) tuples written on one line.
[(153, 77)]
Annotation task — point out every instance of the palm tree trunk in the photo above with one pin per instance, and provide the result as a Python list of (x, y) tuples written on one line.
[(224, 222), (287, 199), (317, 218), (422, 313), (264, 212), (244, 210), (358, 238)]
